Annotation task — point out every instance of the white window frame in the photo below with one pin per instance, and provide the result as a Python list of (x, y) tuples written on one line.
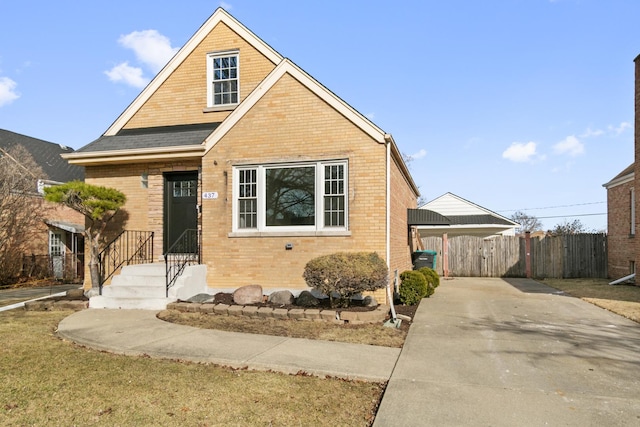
[(210, 77), (319, 195)]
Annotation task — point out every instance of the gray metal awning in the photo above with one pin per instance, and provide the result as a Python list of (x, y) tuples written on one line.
[(66, 226)]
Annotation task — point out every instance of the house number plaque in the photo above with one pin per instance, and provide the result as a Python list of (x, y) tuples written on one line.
[(209, 195)]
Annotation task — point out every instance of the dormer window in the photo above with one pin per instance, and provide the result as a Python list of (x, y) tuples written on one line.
[(223, 79)]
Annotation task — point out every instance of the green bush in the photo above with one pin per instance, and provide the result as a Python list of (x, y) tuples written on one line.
[(413, 287), (346, 274), (433, 279)]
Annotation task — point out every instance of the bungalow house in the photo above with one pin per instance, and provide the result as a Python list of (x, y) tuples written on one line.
[(261, 165), (56, 246), (456, 216)]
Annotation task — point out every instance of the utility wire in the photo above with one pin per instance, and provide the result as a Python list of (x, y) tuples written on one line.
[(553, 207)]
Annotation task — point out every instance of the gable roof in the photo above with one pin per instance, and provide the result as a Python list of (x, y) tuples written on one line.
[(625, 176), (286, 66), (462, 212), (190, 145), (46, 154), (220, 15)]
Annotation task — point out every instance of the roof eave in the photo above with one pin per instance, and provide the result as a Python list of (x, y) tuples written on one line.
[(135, 156)]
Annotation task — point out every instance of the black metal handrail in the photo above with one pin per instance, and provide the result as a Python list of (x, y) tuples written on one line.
[(129, 247), (186, 250)]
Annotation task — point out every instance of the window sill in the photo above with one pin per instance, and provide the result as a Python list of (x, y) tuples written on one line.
[(631, 236), (226, 107), (324, 233)]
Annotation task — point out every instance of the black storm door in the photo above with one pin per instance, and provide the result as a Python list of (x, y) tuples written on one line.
[(180, 210)]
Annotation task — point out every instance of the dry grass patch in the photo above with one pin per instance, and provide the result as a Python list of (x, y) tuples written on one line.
[(46, 381), (620, 299), (370, 334)]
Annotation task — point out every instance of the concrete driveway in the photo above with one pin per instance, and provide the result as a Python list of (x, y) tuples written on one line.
[(493, 352)]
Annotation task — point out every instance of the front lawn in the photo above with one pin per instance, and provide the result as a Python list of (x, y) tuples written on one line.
[(47, 381), (621, 299)]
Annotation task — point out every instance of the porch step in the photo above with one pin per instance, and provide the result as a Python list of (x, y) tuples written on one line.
[(143, 287), (136, 287)]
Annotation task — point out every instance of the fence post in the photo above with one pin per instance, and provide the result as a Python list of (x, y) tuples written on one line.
[(527, 249), (445, 255)]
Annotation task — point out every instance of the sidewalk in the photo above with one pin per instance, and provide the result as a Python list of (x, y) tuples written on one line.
[(139, 332), (28, 294)]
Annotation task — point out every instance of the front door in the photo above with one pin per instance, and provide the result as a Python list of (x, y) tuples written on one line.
[(57, 252), (180, 212)]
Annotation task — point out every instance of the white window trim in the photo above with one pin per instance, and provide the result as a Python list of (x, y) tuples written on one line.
[(318, 229), (210, 57)]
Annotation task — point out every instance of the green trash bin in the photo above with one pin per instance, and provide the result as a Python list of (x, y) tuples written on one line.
[(424, 259)]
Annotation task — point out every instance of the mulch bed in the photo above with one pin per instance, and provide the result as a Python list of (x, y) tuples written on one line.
[(407, 310)]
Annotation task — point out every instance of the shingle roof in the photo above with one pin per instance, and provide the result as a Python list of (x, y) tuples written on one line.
[(155, 137), (478, 220), (45, 154), (426, 217)]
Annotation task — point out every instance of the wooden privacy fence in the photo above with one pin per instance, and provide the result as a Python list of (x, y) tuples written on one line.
[(567, 256)]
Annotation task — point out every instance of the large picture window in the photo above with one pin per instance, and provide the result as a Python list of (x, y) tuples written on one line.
[(223, 76), (291, 197)]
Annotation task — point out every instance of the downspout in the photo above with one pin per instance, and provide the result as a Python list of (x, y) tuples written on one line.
[(387, 140)]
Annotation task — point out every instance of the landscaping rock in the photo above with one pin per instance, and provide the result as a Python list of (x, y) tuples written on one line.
[(370, 301), (281, 298), (201, 298), (250, 294), (306, 299)]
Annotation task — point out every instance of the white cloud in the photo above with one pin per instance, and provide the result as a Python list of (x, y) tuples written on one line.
[(570, 145), (520, 152), (8, 92), (225, 5), (617, 130), (419, 155), (151, 48), (127, 74), (592, 133)]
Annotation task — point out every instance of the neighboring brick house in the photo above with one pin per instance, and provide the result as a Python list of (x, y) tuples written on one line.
[(623, 205), (274, 169), (621, 227), (59, 242)]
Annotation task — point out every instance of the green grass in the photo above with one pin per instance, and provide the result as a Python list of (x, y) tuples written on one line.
[(620, 299), (47, 381)]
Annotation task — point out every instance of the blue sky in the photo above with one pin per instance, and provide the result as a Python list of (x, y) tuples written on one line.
[(511, 104)]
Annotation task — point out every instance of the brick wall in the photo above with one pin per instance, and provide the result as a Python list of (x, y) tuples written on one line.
[(183, 96), (621, 242), (402, 198), (290, 124), (637, 151)]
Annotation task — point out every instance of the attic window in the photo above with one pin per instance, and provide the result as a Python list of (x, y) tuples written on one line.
[(223, 79)]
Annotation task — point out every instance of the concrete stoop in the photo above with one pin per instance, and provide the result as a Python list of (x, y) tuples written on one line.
[(143, 287)]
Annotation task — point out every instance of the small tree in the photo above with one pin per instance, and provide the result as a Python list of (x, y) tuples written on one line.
[(98, 204), (346, 274), (527, 222), (566, 227), (20, 216)]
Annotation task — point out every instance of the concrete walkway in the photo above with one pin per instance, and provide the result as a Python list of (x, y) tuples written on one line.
[(139, 332), (490, 352), (481, 352)]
